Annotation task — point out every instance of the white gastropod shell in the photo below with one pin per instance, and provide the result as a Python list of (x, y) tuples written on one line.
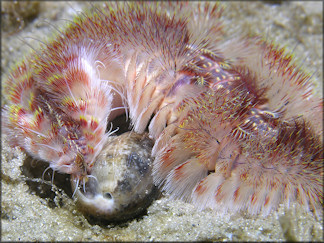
[(120, 186)]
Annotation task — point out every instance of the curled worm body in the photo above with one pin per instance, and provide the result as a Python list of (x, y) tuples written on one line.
[(235, 123)]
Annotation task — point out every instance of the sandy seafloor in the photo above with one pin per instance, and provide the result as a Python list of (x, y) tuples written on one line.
[(28, 215)]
